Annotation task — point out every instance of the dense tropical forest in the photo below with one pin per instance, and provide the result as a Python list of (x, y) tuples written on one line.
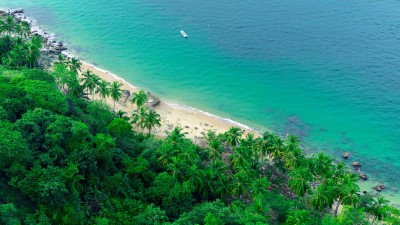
[(68, 158)]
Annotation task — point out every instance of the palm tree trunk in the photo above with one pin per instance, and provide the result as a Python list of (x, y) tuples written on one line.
[(337, 206), (114, 106)]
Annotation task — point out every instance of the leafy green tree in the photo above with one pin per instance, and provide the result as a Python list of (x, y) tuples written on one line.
[(8, 214), (151, 215), (210, 219), (350, 216), (217, 208), (44, 95), (119, 128), (13, 148), (173, 197)]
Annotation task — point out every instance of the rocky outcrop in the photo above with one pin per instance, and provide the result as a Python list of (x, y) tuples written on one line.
[(152, 100), (363, 176), (345, 155), (51, 48), (379, 187), (356, 164), (126, 95)]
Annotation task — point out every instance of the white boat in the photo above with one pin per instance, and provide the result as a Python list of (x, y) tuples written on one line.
[(184, 34)]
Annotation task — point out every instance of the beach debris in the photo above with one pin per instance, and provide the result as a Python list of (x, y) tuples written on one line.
[(196, 128), (363, 176), (356, 164), (345, 155), (379, 187), (186, 126)]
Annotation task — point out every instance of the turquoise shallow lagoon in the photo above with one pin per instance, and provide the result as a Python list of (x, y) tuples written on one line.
[(328, 71)]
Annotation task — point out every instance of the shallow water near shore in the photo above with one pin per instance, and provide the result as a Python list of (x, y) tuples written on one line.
[(326, 71)]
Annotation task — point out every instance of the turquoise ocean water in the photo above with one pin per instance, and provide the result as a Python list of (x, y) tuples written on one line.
[(328, 71)]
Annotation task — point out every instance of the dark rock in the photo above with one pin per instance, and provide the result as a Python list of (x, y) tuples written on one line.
[(126, 93), (186, 126), (152, 100), (346, 155), (363, 176), (379, 187), (356, 164)]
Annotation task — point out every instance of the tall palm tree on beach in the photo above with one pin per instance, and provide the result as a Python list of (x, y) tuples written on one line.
[(153, 119), (140, 98), (103, 89), (86, 79), (233, 136), (115, 92), (93, 84), (139, 117), (75, 65)]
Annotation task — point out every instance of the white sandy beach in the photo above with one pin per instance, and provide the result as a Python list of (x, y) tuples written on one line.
[(194, 122)]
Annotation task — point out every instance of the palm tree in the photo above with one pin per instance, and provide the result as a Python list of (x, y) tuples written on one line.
[(260, 185), (379, 207), (175, 166), (33, 51), (75, 65), (176, 136), (321, 164), (121, 114), (207, 188), (115, 92), (299, 180), (166, 151), (86, 79), (194, 176), (299, 217), (8, 26), (320, 199), (215, 149), (153, 119), (139, 98), (139, 117), (94, 85), (223, 186), (23, 29), (233, 136), (103, 89), (239, 184)]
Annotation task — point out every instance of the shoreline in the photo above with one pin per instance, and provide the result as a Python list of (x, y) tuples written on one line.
[(193, 121)]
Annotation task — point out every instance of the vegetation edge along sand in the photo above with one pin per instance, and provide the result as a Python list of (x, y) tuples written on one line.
[(195, 122)]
